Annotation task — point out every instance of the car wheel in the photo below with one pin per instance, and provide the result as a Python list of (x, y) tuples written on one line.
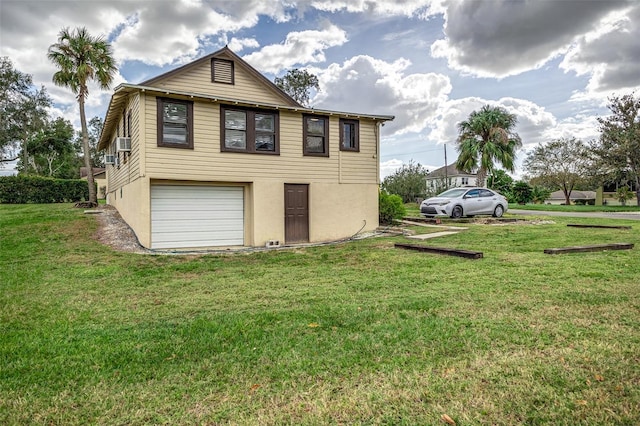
[(498, 211), (456, 213)]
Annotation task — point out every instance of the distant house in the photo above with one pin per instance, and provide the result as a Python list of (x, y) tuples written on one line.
[(449, 177), (576, 197), (213, 154), (99, 177)]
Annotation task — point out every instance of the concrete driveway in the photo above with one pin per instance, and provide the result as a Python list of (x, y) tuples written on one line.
[(604, 215)]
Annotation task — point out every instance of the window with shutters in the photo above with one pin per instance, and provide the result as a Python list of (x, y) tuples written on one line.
[(222, 71), (175, 123), (249, 130)]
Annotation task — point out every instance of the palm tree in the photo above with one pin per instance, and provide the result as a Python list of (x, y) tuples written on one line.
[(80, 58), (485, 138)]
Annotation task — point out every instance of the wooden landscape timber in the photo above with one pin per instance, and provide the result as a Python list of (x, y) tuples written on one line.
[(583, 249), (575, 225), (468, 254)]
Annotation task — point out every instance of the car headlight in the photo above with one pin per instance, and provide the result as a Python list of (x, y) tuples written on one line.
[(444, 203)]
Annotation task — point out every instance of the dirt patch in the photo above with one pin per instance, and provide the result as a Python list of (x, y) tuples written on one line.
[(114, 231)]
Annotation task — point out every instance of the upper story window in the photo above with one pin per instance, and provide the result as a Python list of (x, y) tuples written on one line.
[(175, 123), (349, 135), (249, 130), (222, 71), (315, 134)]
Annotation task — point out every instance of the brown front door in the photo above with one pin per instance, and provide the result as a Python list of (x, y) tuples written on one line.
[(296, 213)]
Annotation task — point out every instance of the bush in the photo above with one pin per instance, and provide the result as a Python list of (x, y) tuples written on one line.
[(539, 194), (40, 190), (521, 193), (391, 208)]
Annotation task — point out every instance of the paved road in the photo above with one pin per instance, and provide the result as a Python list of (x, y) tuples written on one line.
[(606, 215)]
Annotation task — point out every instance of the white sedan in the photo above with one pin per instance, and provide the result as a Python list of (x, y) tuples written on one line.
[(458, 202)]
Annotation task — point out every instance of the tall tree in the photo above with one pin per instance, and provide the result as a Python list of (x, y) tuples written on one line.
[(81, 58), (619, 145), (22, 110), (409, 182), (297, 84), (485, 138), (561, 163)]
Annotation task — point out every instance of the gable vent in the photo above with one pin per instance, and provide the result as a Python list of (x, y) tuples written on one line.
[(222, 71)]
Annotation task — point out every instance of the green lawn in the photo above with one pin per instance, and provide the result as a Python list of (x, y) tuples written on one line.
[(574, 208), (356, 333)]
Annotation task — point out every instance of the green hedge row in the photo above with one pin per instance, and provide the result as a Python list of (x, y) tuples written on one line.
[(36, 189)]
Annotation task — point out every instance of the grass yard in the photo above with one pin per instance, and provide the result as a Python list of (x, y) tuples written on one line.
[(575, 208), (356, 333)]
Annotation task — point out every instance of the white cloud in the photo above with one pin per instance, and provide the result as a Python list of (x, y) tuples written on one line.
[(303, 47), (533, 120), (389, 167), (610, 54), (368, 85), (581, 126), (494, 38), (238, 44), (422, 8)]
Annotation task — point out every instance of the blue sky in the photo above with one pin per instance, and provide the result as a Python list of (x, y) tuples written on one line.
[(428, 62)]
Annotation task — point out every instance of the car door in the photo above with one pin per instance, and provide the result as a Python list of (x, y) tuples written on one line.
[(471, 202), (488, 199)]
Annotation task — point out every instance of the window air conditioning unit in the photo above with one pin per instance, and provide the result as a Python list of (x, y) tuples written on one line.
[(109, 159), (123, 144)]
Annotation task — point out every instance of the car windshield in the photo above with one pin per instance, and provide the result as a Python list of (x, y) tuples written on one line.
[(453, 193)]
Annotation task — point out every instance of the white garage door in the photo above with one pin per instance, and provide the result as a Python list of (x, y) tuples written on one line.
[(196, 216)]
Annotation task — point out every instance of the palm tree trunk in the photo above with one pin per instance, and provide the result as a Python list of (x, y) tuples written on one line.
[(481, 177), (87, 153)]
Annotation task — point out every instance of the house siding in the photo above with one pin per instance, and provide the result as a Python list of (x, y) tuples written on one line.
[(207, 160), (198, 78)]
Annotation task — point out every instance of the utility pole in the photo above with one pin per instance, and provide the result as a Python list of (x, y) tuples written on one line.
[(446, 172)]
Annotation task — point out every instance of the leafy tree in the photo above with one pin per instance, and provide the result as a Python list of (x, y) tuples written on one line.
[(409, 182), (500, 181), (618, 148), (485, 138), (297, 84), (561, 163), (522, 192), (80, 58), (22, 110), (52, 152)]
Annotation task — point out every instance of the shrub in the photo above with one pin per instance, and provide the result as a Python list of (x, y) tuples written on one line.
[(391, 208), (624, 194), (40, 190), (539, 194), (522, 192)]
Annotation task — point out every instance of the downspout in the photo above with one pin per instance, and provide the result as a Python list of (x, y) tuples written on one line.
[(376, 130)]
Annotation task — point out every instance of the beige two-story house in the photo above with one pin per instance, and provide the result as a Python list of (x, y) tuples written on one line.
[(213, 154)]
